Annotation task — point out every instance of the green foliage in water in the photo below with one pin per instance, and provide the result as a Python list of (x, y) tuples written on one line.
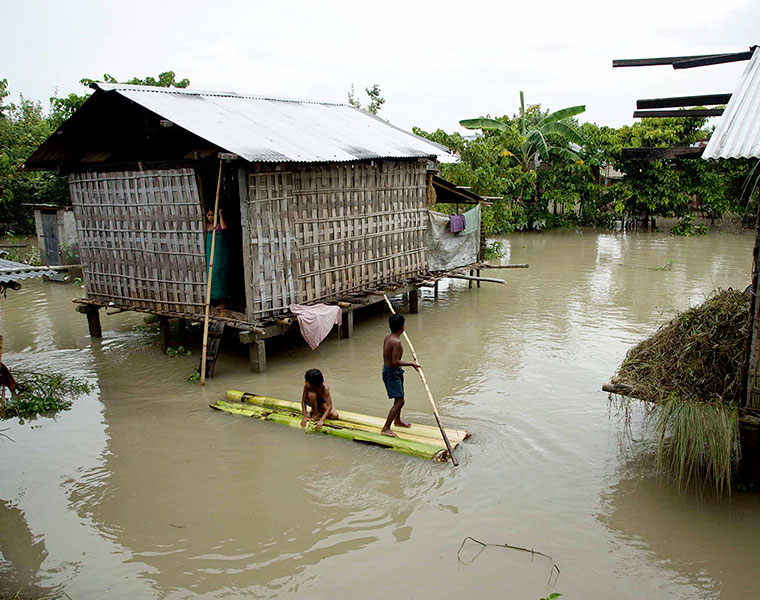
[(597, 185), (178, 351), (194, 377), (687, 227), (40, 393)]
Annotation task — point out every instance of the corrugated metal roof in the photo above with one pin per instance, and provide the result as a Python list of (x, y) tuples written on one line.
[(738, 132), (267, 129), (18, 276)]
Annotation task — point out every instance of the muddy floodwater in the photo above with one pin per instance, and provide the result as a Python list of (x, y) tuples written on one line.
[(142, 491)]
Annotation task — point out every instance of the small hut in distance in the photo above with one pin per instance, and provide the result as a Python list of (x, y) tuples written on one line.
[(322, 201)]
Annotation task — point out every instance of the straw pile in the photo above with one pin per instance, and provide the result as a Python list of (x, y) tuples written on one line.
[(692, 371), (698, 356)]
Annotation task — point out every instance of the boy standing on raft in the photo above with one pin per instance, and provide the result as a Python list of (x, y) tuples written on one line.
[(316, 396), (393, 374)]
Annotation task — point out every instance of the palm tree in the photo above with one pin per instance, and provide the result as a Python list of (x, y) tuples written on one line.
[(533, 142)]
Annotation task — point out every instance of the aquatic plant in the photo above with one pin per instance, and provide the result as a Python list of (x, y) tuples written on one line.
[(178, 351), (691, 371), (43, 393)]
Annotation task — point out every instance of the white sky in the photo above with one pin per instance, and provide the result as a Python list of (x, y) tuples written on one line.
[(436, 62)]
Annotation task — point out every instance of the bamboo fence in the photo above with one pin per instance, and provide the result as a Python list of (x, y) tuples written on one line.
[(141, 238)]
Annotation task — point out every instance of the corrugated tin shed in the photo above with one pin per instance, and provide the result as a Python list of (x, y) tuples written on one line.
[(738, 132), (15, 275), (266, 129)]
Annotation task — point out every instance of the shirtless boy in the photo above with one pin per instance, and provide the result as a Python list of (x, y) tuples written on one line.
[(393, 374), (316, 399)]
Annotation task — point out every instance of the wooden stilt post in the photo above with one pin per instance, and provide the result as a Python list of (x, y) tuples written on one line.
[(414, 301), (477, 274), (469, 284), (427, 390), (210, 273), (93, 319), (347, 324), (166, 335), (435, 290), (258, 356)]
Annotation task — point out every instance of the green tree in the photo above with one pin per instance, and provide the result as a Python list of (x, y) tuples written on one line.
[(535, 135), (23, 127), (376, 101)]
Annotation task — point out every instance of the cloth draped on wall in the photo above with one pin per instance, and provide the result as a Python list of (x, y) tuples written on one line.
[(456, 223), (315, 321), (221, 254), (448, 250)]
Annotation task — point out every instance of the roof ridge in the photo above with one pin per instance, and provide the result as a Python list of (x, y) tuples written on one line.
[(108, 87)]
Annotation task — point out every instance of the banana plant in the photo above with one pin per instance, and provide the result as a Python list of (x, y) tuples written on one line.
[(533, 141), (532, 137)]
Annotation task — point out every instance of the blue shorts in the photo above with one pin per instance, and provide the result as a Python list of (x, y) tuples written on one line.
[(393, 378)]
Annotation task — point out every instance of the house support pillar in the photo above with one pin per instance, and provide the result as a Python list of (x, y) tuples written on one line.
[(347, 324), (166, 333), (93, 319), (258, 356), (414, 301)]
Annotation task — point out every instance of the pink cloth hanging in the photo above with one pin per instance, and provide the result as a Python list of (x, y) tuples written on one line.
[(315, 321)]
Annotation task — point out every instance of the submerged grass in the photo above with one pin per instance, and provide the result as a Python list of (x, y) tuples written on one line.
[(692, 372)]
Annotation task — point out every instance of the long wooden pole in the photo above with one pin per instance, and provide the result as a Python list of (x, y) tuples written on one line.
[(2, 391), (427, 389), (210, 274)]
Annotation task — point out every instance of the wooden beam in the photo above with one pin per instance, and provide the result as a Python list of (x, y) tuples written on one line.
[(473, 278), (660, 153), (653, 62), (697, 112), (676, 101), (347, 324), (717, 59)]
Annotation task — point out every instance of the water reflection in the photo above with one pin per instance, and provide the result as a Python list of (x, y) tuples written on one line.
[(141, 489)]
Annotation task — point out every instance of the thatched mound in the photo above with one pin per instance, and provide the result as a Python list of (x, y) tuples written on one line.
[(698, 356)]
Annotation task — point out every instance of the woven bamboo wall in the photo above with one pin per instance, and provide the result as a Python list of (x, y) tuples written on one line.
[(318, 231), (141, 238)]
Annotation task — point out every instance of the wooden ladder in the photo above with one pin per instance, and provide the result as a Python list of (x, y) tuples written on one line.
[(215, 330)]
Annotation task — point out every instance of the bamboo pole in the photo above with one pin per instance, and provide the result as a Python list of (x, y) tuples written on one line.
[(427, 390), (210, 273), (2, 391), (472, 278)]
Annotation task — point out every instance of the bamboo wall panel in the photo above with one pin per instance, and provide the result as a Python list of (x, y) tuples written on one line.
[(319, 231), (141, 238)]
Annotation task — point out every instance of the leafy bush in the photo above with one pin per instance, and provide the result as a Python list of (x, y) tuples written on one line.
[(42, 393)]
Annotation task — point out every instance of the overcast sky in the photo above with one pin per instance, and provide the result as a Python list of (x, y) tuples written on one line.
[(436, 62)]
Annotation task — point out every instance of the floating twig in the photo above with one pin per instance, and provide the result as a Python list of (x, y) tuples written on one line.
[(552, 577)]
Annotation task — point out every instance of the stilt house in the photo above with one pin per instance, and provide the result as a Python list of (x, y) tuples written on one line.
[(320, 199)]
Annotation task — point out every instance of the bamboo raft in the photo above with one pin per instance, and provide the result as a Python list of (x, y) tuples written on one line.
[(422, 441)]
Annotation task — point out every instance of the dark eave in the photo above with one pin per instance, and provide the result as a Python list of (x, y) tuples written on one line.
[(661, 153), (662, 114), (678, 101), (449, 193)]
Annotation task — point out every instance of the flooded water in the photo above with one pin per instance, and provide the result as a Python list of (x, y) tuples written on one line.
[(142, 491)]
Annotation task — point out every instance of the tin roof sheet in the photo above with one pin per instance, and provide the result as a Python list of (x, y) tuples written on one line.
[(269, 129), (737, 134), (18, 276)]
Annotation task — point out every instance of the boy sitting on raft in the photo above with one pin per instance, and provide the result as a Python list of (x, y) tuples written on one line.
[(316, 396), (393, 374)]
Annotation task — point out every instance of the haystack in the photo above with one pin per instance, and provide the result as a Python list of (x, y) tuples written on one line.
[(692, 372)]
